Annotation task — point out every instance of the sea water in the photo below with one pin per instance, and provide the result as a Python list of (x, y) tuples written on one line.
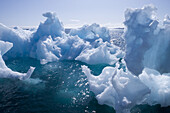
[(58, 87)]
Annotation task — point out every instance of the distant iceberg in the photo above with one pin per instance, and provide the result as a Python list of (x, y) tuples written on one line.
[(91, 33)]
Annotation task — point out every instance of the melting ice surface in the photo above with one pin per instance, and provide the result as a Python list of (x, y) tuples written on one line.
[(133, 68)]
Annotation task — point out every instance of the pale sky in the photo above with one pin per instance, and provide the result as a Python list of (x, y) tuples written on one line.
[(74, 13)]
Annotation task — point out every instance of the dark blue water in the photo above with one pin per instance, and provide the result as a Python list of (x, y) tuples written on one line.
[(58, 87)]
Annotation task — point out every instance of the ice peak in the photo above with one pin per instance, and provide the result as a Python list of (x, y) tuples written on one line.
[(49, 14), (52, 26)]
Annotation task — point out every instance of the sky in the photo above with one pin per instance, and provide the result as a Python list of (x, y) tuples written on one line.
[(74, 13)]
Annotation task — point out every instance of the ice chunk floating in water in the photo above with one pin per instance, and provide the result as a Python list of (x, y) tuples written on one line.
[(116, 88), (5, 72), (50, 43), (159, 86), (101, 53), (123, 90), (82, 44), (144, 77), (147, 46)]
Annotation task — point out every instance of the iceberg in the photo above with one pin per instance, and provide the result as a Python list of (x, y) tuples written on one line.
[(91, 32), (50, 43), (146, 78), (116, 88), (147, 42), (123, 90), (101, 53), (5, 72), (159, 86), (20, 39), (144, 36), (52, 26), (61, 48)]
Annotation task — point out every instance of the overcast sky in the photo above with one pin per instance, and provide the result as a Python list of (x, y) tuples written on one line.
[(74, 13)]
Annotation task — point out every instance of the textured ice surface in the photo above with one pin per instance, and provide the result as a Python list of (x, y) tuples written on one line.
[(52, 26), (101, 52), (91, 32), (50, 43), (147, 43), (123, 90), (117, 38), (116, 88), (20, 39), (67, 47), (147, 46), (5, 72), (146, 54), (159, 86), (84, 44)]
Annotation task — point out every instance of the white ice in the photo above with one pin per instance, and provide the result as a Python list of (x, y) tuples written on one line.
[(101, 53), (159, 86), (20, 39), (91, 32), (147, 56), (5, 72), (116, 88), (50, 43)]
